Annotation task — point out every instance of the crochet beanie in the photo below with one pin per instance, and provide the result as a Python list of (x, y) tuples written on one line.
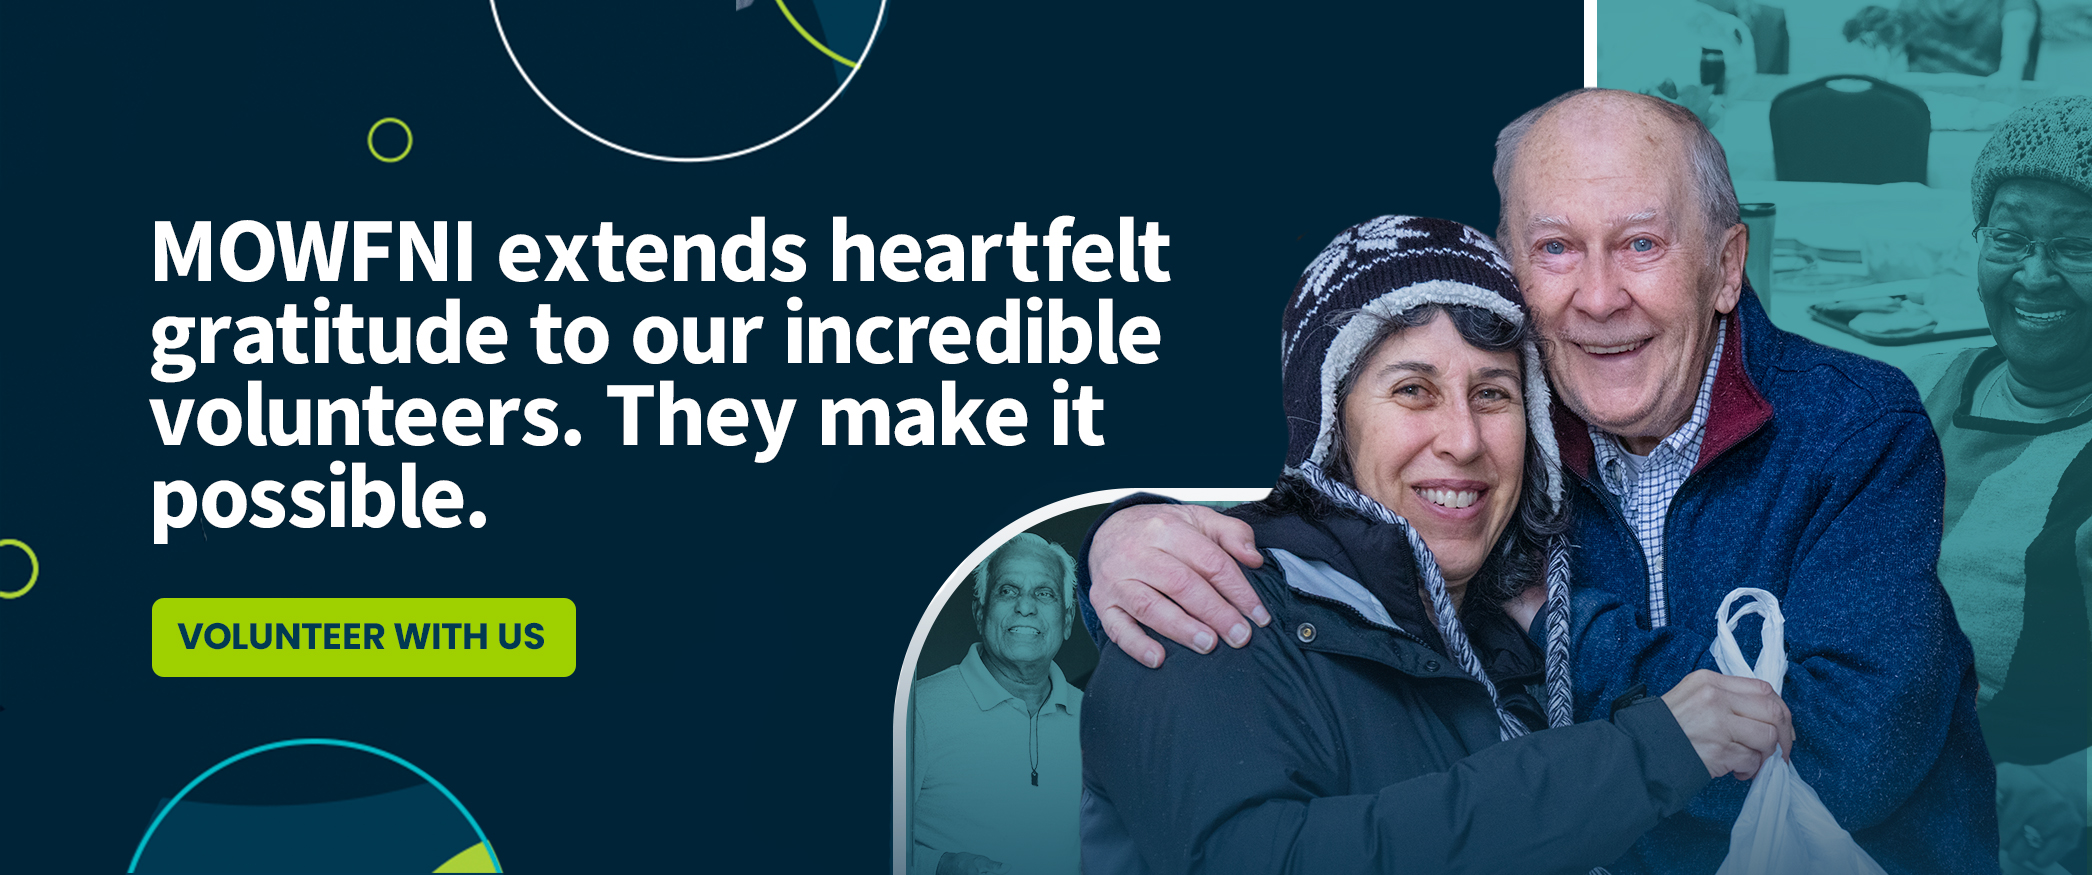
[(2049, 140)]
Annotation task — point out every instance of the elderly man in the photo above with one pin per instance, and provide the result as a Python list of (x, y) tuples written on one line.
[(1694, 431), (996, 748)]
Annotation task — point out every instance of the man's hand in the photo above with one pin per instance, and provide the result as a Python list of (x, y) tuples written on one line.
[(1734, 723), (1171, 567), (2037, 822), (962, 863)]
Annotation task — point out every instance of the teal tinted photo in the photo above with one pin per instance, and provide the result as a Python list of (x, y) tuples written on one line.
[(994, 736), (1917, 180)]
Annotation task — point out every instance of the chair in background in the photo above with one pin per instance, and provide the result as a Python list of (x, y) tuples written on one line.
[(1850, 129)]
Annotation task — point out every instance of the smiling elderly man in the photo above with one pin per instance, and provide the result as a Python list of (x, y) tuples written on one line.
[(996, 750), (1708, 451)]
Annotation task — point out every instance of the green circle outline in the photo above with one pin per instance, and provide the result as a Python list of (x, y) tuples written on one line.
[(370, 140), (35, 568)]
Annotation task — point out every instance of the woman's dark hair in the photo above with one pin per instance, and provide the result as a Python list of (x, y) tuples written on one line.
[(1520, 557)]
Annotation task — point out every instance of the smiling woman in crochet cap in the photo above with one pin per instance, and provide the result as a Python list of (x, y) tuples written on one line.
[(2015, 425), (1403, 719)]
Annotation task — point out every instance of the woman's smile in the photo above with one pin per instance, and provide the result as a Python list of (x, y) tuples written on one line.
[(1457, 498)]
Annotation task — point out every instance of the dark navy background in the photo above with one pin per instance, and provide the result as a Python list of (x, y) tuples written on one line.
[(742, 625)]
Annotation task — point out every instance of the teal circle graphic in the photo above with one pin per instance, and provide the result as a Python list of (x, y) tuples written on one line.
[(300, 742)]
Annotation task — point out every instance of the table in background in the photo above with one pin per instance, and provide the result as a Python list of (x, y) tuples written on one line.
[(1791, 312), (1849, 217)]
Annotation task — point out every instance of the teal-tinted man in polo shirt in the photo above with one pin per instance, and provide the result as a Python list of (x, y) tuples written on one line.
[(996, 746)]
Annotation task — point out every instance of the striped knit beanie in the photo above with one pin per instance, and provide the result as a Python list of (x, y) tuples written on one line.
[(1386, 267), (2048, 140)]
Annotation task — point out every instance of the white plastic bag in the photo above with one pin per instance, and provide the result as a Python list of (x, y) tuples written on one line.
[(1784, 827)]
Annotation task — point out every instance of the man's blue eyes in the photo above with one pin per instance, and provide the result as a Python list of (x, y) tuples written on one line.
[(1639, 244)]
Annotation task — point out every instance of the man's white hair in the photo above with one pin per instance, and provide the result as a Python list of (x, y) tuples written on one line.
[(1027, 541)]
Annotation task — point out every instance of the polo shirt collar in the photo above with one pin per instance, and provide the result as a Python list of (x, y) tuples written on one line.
[(989, 692)]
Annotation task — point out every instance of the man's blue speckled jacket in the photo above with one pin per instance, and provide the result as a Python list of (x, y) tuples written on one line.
[(1820, 481)]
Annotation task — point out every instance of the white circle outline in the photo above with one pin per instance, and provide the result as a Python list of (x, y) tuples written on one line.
[(493, 6)]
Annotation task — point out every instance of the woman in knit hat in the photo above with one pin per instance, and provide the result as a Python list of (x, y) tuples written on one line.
[(1392, 724), (2015, 425)]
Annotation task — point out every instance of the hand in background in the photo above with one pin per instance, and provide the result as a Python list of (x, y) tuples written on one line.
[(2039, 821), (1696, 97), (962, 863)]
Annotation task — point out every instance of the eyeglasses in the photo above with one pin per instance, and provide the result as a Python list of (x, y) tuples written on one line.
[(2000, 246)]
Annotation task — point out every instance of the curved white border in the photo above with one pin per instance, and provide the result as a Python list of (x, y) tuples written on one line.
[(876, 24), (944, 595)]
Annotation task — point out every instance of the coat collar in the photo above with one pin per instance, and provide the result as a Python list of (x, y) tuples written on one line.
[(1368, 568), (1735, 408)]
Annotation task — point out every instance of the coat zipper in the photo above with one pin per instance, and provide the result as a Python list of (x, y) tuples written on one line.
[(1611, 503)]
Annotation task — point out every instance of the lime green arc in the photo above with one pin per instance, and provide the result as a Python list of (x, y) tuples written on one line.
[(472, 859), (370, 139), (795, 26), (34, 568)]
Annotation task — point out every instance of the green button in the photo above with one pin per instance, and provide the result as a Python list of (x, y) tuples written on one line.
[(362, 638)]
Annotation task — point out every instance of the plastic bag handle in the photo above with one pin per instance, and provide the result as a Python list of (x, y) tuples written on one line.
[(1771, 666)]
